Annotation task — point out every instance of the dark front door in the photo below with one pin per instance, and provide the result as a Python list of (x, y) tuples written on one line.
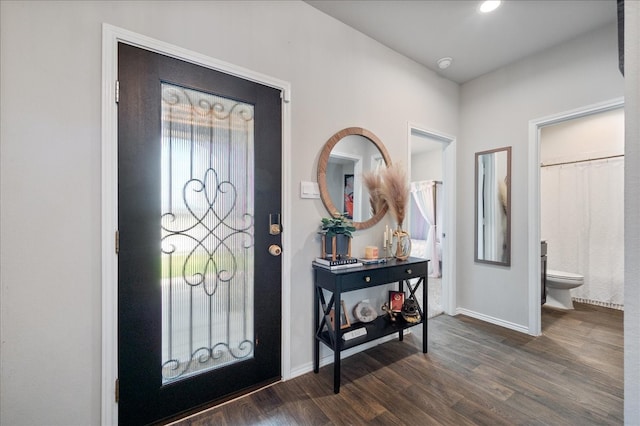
[(199, 175)]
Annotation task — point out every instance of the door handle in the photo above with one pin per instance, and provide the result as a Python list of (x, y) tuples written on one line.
[(275, 250)]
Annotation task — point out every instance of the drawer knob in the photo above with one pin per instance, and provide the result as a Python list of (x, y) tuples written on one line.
[(409, 271), (367, 279)]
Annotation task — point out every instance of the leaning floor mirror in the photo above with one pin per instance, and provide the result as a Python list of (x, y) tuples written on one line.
[(493, 207)]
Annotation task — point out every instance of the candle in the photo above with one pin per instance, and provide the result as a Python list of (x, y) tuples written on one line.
[(384, 242), (371, 252)]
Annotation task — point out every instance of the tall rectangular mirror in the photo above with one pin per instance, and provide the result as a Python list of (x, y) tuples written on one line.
[(493, 206)]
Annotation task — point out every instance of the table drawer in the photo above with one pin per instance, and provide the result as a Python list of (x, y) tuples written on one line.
[(404, 272), (363, 279)]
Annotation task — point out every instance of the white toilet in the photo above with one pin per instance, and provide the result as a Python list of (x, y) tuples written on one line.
[(559, 285)]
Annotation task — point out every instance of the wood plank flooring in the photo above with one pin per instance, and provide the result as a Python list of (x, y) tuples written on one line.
[(474, 374)]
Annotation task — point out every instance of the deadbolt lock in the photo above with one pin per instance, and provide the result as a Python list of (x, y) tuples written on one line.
[(275, 227)]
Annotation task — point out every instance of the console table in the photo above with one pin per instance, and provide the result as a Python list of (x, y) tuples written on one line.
[(344, 280)]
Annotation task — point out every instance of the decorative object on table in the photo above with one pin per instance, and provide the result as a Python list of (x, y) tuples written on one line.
[(342, 261), (336, 233), (390, 315), (344, 318), (395, 190), (358, 332), (401, 244), (364, 312), (410, 312), (373, 261), (396, 300), (371, 252), (387, 240), (339, 266)]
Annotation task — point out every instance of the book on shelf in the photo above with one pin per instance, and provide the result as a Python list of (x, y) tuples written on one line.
[(342, 261), (335, 267)]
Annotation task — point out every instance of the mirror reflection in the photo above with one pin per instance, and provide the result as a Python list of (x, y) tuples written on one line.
[(347, 161), (493, 206), (346, 156)]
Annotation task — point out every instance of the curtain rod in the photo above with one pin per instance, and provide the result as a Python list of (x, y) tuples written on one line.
[(581, 161)]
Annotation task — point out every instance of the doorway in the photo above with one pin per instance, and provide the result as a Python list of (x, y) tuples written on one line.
[(199, 190), (534, 237), (112, 36), (582, 203), (432, 164)]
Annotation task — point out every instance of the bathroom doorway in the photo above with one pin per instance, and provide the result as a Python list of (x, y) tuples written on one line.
[(431, 209), (582, 203), (574, 150)]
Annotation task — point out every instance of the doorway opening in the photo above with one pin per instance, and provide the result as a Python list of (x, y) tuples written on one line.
[(535, 235), (112, 36), (432, 212)]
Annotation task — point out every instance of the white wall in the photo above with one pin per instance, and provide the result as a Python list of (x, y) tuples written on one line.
[(584, 138), (50, 133), (632, 213), (427, 165), (495, 112)]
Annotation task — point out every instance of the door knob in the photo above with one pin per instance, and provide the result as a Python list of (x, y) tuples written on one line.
[(275, 250)]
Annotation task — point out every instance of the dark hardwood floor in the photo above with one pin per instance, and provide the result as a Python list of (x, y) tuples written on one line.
[(474, 373)]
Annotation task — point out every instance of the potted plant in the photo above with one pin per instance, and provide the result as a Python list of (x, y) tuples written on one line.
[(336, 233)]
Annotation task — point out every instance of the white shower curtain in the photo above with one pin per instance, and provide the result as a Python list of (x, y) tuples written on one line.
[(582, 220), (424, 193)]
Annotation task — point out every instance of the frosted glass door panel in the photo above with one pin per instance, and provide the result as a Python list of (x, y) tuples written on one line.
[(207, 232)]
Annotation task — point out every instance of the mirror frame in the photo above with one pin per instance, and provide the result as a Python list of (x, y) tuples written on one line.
[(507, 262), (323, 162)]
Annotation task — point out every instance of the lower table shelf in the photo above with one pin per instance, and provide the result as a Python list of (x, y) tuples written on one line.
[(380, 327)]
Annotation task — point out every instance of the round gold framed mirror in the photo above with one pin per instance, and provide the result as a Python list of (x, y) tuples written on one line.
[(346, 156)]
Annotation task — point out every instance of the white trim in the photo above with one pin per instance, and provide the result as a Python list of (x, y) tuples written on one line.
[(535, 322), (109, 209), (497, 321), (110, 37), (449, 286)]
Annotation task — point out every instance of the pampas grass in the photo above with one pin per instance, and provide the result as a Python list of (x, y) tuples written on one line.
[(373, 182), (394, 190)]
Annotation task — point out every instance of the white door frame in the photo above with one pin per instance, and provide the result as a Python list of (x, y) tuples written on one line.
[(449, 301), (111, 36), (535, 320)]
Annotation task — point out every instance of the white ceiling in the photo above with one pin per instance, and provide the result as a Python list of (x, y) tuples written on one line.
[(428, 30)]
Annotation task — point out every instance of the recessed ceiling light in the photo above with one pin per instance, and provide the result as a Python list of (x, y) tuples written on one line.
[(444, 63), (489, 6)]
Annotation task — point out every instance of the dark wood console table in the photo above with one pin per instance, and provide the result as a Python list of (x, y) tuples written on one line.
[(345, 280)]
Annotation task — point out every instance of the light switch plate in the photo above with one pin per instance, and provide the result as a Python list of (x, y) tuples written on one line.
[(309, 190)]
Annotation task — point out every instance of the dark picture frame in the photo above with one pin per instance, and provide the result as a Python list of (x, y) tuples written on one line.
[(348, 196), (396, 300)]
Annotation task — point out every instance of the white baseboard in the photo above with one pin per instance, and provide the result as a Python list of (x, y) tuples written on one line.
[(497, 321)]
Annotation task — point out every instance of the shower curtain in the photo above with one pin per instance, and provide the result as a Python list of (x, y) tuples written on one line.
[(582, 220)]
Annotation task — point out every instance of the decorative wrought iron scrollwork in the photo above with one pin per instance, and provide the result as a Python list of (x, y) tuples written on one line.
[(208, 226), (207, 234), (174, 369)]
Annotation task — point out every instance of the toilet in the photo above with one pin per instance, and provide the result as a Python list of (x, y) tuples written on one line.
[(559, 285)]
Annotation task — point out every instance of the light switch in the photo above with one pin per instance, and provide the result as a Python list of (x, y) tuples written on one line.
[(309, 190)]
